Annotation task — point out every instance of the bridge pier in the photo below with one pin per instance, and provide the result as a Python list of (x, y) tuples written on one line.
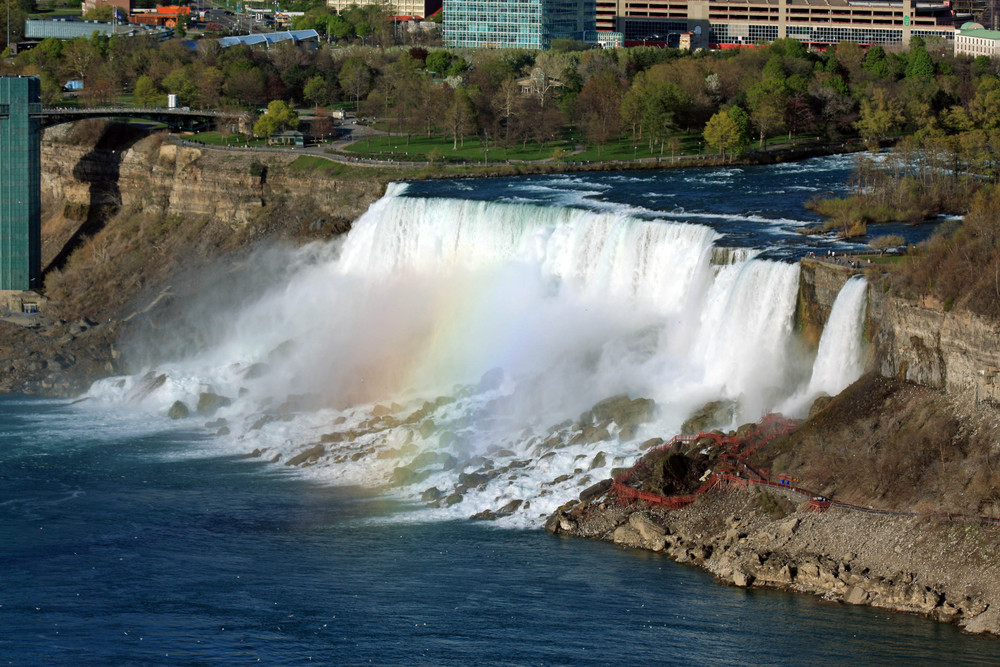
[(20, 183)]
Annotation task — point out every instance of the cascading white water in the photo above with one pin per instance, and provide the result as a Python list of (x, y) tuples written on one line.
[(377, 351), (840, 358)]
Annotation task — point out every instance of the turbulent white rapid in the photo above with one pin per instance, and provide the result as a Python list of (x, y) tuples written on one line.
[(485, 356)]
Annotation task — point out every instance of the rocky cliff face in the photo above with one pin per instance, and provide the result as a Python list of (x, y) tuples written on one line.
[(163, 177), (819, 284), (955, 351)]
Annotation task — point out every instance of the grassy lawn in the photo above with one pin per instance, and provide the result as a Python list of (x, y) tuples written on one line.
[(625, 149), (420, 146)]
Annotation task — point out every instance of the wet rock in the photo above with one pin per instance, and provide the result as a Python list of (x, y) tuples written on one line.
[(472, 480), (623, 411), (209, 402), (491, 515), (627, 432), (256, 371), (381, 411), (592, 434), (222, 431), (424, 460), (649, 444), (599, 461), (426, 428), (453, 499), (430, 494), (710, 415), (596, 490), (404, 476), (311, 454), (178, 411)]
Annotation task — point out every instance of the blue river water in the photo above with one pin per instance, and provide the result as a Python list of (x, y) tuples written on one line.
[(758, 206), (121, 547)]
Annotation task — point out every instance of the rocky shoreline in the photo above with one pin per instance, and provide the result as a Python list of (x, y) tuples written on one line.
[(945, 570), (53, 357)]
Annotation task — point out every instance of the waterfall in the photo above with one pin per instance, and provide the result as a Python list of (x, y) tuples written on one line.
[(840, 357), (456, 330)]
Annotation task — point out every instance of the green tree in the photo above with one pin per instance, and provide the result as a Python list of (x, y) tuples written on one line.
[(279, 116), (919, 65), (876, 62), (986, 104), (355, 78), (316, 91), (146, 92), (339, 27), (102, 13), (181, 84), (880, 116), (723, 133)]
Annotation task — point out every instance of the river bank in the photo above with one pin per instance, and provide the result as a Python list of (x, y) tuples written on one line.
[(915, 454), (945, 570)]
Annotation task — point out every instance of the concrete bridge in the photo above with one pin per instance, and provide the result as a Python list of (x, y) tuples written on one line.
[(22, 119), (177, 119)]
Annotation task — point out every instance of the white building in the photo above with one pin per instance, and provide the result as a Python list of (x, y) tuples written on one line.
[(974, 40)]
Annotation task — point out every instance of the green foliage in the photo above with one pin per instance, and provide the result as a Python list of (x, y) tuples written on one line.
[(101, 13), (182, 84), (279, 116), (723, 133), (876, 63), (316, 91), (146, 93), (919, 65)]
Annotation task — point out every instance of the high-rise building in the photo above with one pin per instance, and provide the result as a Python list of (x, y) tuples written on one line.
[(526, 24), (20, 182), (418, 8)]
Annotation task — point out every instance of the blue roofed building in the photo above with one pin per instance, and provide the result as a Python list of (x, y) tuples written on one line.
[(308, 38)]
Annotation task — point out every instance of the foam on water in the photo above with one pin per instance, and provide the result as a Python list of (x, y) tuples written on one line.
[(460, 345)]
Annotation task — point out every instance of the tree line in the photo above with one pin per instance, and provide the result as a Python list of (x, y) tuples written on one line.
[(645, 96)]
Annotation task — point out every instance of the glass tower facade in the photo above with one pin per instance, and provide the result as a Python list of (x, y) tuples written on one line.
[(20, 183), (525, 24)]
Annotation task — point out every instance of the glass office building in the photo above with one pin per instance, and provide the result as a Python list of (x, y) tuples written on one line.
[(525, 24), (20, 183)]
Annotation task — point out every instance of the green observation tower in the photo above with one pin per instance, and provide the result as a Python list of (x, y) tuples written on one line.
[(20, 183)]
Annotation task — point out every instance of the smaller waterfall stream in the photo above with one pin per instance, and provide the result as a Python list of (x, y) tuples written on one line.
[(840, 359)]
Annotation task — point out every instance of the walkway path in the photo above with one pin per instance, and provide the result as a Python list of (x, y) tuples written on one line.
[(734, 469)]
